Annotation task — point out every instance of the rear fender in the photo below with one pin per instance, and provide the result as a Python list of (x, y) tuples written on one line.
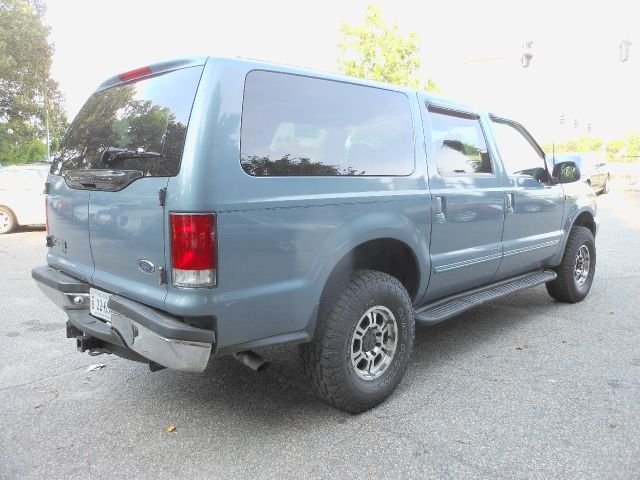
[(374, 226)]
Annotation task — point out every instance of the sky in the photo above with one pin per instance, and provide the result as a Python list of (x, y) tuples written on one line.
[(472, 49)]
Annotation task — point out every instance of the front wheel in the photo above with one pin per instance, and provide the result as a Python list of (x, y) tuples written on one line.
[(363, 340), (575, 273)]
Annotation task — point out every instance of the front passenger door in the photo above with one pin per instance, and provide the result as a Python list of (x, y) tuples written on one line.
[(533, 204)]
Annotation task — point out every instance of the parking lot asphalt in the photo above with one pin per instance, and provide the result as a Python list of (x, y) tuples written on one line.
[(523, 387)]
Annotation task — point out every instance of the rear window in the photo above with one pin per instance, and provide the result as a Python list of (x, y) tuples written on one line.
[(148, 117), (295, 125)]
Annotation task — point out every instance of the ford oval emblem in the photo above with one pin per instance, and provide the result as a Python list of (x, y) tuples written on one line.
[(146, 266)]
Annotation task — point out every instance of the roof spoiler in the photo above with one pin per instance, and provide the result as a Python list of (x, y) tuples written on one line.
[(156, 68)]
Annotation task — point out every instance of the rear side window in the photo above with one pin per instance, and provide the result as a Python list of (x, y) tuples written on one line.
[(459, 143), (148, 117), (294, 125)]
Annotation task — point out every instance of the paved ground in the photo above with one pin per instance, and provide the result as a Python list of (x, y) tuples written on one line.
[(520, 388)]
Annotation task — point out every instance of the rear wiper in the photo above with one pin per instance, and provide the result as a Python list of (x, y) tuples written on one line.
[(111, 154)]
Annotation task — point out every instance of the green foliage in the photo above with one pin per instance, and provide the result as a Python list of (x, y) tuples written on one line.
[(633, 145), (615, 150), (618, 150), (582, 144), (26, 83), (20, 149), (376, 51)]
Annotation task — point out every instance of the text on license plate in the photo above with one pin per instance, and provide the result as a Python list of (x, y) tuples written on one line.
[(98, 304)]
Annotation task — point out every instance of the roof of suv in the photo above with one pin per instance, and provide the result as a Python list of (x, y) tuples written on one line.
[(262, 65)]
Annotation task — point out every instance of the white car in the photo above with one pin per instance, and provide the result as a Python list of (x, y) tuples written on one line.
[(22, 196)]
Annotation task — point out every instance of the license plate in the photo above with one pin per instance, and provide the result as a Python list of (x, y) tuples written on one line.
[(98, 304)]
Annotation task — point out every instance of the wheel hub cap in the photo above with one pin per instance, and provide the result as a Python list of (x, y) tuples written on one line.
[(582, 266), (4, 220), (373, 342)]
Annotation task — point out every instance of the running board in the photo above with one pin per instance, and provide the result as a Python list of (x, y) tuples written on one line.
[(451, 306)]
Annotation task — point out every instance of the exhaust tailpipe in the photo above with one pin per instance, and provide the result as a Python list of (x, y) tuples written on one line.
[(252, 360)]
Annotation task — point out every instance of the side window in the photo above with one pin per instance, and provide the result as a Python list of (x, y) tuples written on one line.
[(518, 155), (295, 125), (459, 144)]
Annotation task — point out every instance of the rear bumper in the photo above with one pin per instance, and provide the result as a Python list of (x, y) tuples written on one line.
[(155, 336)]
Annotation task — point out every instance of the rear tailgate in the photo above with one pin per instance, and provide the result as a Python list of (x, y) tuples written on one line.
[(68, 221), (127, 241), (117, 158)]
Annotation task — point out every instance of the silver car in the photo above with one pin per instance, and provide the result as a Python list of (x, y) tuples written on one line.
[(21, 196)]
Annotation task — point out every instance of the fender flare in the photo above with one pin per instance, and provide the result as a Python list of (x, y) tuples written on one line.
[(569, 223), (374, 226)]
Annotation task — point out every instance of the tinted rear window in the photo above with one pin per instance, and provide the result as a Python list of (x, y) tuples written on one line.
[(149, 115), (294, 125)]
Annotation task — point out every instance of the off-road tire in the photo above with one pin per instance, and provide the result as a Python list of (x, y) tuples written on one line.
[(13, 221), (327, 358), (565, 287)]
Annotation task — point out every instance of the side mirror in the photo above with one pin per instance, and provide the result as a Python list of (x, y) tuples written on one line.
[(566, 172)]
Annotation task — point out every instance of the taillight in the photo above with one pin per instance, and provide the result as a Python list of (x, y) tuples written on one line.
[(193, 249)]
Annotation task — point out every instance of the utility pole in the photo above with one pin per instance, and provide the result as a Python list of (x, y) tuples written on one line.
[(46, 123)]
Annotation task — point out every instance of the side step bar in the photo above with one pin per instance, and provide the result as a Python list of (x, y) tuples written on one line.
[(451, 306)]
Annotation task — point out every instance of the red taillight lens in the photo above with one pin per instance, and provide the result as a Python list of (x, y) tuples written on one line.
[(138, 72), (193, 249)]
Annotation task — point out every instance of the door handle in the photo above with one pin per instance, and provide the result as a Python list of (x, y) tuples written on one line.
[(510, 203), (440, 209)]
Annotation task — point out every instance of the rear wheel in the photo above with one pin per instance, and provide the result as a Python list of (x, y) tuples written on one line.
[(363, 340), (575, 273), (605, 187), (8, 221)]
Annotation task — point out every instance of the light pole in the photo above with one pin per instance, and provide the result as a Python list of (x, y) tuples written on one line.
[(46, 123)]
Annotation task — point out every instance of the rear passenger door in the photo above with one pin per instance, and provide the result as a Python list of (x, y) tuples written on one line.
[(534, 205), (468, 201)]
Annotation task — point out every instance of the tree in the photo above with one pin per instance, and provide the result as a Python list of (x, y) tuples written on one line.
[(625, 149), (582, 144), (633, 145), (26, 85), (376, 51)]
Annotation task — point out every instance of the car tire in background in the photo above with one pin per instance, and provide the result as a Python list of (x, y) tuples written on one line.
[(606, 188), (575, 273), (8, 221), (363, 340)]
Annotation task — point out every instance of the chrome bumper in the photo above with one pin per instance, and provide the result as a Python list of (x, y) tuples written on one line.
[(154, 335), (183, 355)]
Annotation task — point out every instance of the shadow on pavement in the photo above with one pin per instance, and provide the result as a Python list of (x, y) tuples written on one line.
[(263, 399)]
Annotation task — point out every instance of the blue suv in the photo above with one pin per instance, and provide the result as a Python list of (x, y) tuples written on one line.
[(211, 206)]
